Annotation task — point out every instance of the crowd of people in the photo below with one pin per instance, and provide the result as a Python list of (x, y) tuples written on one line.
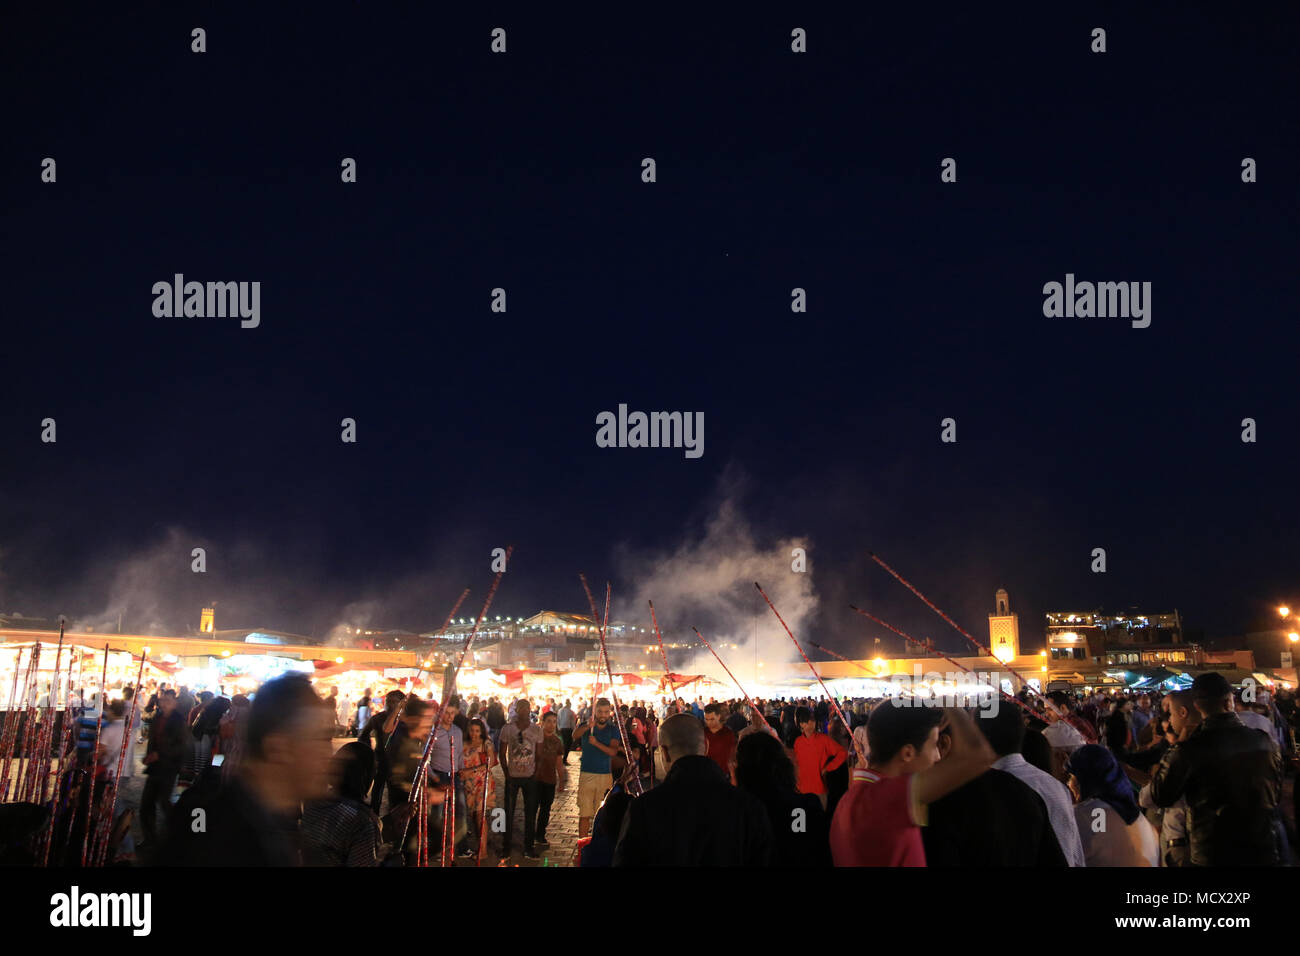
[(1193, 777)]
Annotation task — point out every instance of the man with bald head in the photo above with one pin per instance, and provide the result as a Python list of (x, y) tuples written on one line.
[(695, 817)]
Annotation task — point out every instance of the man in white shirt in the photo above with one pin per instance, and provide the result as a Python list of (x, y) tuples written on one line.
[(1059, 732), (111, 732), (1005, 730), (566, 721), (519, 742), (1252, 719)]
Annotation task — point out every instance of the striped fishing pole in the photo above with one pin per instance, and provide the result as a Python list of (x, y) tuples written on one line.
[(668, 674), (94, 762), (757, 719), (487, 782), (45, 741), (600, 666), (62, 779), (862, 757), (445, 624), (604, 653), (449, 830), (45, 745), (25, 742), (743, 692), (11, 724), (110, 799), (14, 746), (960, 630), (1011, 697), (421, 771), (422, 829)]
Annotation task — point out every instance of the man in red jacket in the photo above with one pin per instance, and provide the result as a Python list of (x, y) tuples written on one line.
[(815, 754)]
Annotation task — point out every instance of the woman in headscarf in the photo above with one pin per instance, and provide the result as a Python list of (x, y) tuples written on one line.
[(1114, 831)]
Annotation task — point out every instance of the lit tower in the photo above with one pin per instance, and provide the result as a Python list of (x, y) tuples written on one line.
[(207, 621), (1004, 629)]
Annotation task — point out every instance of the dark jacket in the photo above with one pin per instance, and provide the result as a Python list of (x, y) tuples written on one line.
[(375, 726), (208, 722), (1231, 775), (1119, 727), (995, 820), (801, 829), (695, 818), (1144, 760), (404, 756), (171, 740), (237, 831)]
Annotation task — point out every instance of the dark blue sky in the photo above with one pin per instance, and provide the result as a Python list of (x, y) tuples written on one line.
[(775, 170)]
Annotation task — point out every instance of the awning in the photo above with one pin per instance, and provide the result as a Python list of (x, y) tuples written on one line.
[(1233, 675)]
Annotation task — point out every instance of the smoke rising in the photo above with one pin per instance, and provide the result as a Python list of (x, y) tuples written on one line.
[(708, 582)]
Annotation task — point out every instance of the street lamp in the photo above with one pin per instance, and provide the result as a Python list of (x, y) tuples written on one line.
[(1284, 611)]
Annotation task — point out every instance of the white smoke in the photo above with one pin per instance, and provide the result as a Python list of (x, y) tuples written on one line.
[(137, 594), (708, 582)]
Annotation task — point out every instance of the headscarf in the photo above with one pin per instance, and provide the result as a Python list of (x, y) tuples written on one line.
[(1100, 776)]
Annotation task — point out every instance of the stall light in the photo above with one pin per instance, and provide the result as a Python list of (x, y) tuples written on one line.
[(338, 660), (225, 653)]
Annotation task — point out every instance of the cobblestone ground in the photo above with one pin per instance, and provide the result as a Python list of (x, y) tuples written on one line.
[(562, 831)]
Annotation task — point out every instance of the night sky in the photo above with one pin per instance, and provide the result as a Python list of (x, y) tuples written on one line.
[(775, 170)]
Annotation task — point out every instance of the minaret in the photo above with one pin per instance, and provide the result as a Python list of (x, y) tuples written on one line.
[(1004, 629)]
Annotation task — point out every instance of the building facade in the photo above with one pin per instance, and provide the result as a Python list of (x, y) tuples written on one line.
[(1083, 645)]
